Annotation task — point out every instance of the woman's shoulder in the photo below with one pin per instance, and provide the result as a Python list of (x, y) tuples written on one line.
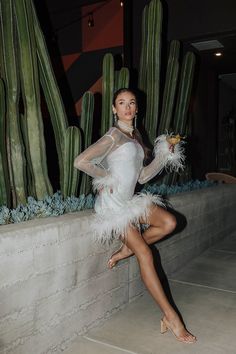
[(113, 132)]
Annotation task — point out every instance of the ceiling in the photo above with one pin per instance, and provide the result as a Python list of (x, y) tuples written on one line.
[(205, 20), (224, 64)]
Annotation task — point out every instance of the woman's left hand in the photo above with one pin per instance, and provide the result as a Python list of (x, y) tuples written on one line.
[(173, 139)]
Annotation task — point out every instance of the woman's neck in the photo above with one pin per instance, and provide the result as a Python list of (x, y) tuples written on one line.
[(125, 127)]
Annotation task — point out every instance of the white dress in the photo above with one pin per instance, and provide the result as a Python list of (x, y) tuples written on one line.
[(116, 164)]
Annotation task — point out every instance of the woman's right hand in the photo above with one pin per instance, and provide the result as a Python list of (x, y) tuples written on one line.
[(101, 189)]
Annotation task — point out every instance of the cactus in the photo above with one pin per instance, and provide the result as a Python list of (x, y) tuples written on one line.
[(30, 188), (51, 93), (180, 122), (4, 184), (112, 81), (142, 79), (149, 77), (72, 147), (150, 61), (186, 79), (107, 92), (121, 79), (86, 124), (15, 151), (31, 96), (170, 87)]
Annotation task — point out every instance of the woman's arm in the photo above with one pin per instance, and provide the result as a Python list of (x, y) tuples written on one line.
[(167, 155), (88, 161)]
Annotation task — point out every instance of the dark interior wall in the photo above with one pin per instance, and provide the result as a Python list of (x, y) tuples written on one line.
[(204, 119), (193, 18), (227, 100), (227, 128)]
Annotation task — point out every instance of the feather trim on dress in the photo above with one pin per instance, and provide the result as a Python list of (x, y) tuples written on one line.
[(111, 224), (171, 157)]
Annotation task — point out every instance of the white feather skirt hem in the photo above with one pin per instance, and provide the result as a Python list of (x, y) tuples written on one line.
[(110, 224)]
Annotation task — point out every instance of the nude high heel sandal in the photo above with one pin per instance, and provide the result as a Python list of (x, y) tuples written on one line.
[(190, 339), (164, 327)]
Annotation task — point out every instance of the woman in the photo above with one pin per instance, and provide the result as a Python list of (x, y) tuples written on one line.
[(116, 164)]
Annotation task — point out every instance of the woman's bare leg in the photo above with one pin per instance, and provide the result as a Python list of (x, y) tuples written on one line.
[(161, 223), (135, 242)]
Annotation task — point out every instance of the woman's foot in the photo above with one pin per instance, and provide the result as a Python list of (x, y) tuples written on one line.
[(178, 330), (122, 253)]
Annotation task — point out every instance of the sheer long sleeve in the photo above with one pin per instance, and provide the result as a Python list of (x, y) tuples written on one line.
[(170, 158), (89, 161)]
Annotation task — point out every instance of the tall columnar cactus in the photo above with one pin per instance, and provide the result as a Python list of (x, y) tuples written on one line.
[(121, 79), (30, 188), (71, 149), (111, 81), (51, 92), (86, 124), (149, 77), (9, 70), (150, 64), (181, 124), (186, 79), (107, 92), (4, 177), (170, 87), (142, 79), (31, 96)]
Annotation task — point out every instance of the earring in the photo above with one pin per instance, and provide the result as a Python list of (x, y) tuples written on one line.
[(115, 118)]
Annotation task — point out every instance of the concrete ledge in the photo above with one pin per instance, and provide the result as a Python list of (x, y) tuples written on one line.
[(55, 283)]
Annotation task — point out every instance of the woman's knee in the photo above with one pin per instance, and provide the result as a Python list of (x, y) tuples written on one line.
[(169, 223), (145, 255)]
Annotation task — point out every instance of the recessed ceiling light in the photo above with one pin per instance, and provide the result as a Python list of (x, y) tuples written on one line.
[(219, 54), (207, 45)]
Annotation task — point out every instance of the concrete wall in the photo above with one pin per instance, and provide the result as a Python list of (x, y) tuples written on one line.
[(54, 282)]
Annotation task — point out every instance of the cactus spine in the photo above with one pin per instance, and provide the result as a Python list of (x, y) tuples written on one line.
[(31, 97), (86, 124), (15, 150)]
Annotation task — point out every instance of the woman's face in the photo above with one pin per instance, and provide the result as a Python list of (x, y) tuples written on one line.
[(125, 106)]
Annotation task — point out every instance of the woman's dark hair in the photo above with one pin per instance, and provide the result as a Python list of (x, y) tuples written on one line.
[(122, 90)]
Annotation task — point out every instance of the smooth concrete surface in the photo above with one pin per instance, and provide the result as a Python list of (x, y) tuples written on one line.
[(205, 294)]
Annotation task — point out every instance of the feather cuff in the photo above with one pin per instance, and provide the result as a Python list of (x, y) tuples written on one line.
[(171, 156), (103, 182)]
